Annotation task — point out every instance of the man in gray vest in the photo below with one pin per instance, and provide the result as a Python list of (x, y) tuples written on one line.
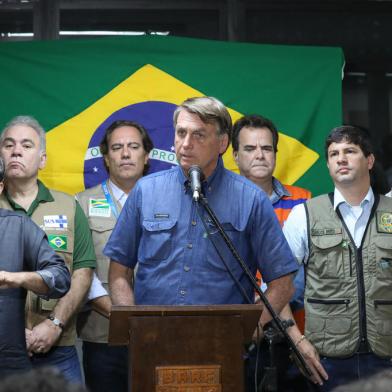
[(125, 148), (345, 241), (27, 263), (51, 325)]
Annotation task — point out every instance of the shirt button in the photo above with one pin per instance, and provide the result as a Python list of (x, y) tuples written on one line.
[(182, 292), (186, 268), (189, 246), (193, 223)]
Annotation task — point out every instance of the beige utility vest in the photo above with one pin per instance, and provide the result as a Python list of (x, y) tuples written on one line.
[(348, 290), (57, 220), (92, 326)]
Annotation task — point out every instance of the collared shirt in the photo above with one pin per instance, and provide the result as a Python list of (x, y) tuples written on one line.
[(355, 217), (83, 254), (118, 193), (278, 191), (24, 247), (162, 230)]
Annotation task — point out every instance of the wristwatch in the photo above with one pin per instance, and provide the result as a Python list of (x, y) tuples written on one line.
[(56, 321)]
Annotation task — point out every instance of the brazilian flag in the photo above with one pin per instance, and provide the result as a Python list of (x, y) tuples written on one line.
[(76, 88)]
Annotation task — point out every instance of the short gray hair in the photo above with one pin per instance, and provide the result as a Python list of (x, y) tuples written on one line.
[(28, 121), (2, 169), (210, 110)]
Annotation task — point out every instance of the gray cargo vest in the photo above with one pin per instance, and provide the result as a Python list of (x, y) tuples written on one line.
[(348, 290)]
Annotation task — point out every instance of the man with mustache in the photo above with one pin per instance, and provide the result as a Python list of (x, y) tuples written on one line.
[(125, 148), (51, 331), (344, 240)]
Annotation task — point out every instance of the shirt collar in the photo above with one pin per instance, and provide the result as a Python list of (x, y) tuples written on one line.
[(278, 191), (212, 180), (43, 196), (339, 199), (118, 193)]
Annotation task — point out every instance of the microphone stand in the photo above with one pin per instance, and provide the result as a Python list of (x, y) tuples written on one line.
[(299, 359)]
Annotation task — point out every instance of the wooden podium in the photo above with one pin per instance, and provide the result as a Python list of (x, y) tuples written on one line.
[(185, 348)]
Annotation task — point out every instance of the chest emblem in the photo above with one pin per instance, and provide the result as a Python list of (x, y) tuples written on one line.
[(58, 242), (384, 222), (55, 222), (99, 207)]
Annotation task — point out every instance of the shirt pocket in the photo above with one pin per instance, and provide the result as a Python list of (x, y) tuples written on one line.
[(328, 256), (217, 246), (157, 240)]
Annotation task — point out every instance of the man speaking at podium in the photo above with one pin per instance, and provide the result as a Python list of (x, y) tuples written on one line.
[(180, 256)]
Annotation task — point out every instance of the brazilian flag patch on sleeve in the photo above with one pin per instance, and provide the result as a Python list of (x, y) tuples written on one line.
[(58, 242)]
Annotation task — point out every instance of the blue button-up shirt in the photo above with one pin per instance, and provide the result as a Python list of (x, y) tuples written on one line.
[(160, 228)]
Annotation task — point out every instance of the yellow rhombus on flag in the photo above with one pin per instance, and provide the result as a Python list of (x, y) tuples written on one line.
[(68, 143)]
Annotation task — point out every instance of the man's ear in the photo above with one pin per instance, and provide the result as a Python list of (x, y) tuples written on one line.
[(42, 162), (224, 143), (235, 156), (371, 159)]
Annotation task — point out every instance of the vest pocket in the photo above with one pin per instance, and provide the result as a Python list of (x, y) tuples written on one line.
[(383, 256), (101, 229), (384, 327), (46, 305), (328, 256), (383, 309), (327, 325), (331, 311), (156, 243)]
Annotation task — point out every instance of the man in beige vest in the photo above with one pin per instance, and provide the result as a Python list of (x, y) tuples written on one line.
[(125, 148), (345, 241), (51, 327)]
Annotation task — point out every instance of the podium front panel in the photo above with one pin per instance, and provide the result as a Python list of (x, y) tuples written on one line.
[(186, 343)]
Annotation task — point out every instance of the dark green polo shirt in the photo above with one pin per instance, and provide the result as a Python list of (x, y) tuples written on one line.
[(83, 252)]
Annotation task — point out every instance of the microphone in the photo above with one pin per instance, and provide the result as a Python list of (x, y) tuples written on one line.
[(196, 176)]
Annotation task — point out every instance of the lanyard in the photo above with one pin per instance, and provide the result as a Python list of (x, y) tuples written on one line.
[(109, 199)]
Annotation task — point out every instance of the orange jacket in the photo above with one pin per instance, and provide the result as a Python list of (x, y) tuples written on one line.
[(282, 210)]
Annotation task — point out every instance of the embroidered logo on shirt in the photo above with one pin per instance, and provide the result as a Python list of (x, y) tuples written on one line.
[(99, 207), (58, 242), (161, 216), (384, 222), (55, 221)]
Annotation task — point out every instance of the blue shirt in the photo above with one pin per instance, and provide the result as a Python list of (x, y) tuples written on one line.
[(160, 228), (278, 191)]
